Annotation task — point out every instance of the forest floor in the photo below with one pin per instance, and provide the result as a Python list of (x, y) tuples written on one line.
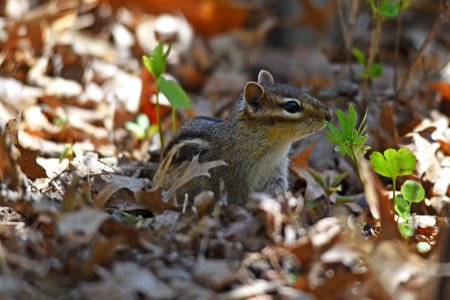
[(79, 218)]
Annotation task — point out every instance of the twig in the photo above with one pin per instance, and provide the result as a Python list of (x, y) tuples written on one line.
[(373, 52), (443, 18), (347, 33), (397, 45)]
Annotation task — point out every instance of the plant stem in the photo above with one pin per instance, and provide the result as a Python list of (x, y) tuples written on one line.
[(174, 119), (397, 46), (394, 188), (357, 167), (158, 114), (373, 51)]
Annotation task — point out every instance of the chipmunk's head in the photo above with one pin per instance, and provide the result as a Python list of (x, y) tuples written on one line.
[(289, 112)]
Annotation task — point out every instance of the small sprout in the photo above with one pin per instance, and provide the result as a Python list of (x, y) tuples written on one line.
[(349, 139), (367, 73), (70, 151), (61, 120), (423, 247), (396, 163), (156, 65), (141, 129)]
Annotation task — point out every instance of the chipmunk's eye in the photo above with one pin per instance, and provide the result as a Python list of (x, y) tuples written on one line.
[(292, 107)]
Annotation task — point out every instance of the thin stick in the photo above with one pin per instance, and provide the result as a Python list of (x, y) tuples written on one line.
[(344, 33), (443, 18), (352, 21), (347, 33), (397, 45), (373, 52)]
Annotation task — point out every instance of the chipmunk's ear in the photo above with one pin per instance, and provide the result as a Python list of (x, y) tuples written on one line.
[(253, 91), (264, 76)]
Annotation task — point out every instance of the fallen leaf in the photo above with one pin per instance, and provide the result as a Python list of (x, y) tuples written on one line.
[(215, 274), (27, 158), (126, 280), (106, 186), (86, 222), (300, 160)]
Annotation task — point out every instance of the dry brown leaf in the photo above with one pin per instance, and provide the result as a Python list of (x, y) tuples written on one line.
[(85, 222), (194, 169), (215, 274), (316, 17), (208, 17), (27, 158), (127, 279), (300, 160), (270, 211), (153, 202), (112, 183)]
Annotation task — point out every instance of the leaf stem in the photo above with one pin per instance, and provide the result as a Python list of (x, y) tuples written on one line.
[(158, 114), (174, 119), (394, 188)]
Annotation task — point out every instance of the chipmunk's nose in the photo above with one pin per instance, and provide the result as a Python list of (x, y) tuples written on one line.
[(328, 114)]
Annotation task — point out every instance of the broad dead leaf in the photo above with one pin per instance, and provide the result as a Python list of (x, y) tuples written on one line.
[(27, 158), (85, 222), (194, 169), (107, 185), (127, 279)]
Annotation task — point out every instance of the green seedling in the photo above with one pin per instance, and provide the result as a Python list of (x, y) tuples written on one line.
[(348, 138), (61, 120), (411, 192), (329, 185), (388, 8), (70, 151), (141, 129), (374, 71), (392, 164), (156, 65)]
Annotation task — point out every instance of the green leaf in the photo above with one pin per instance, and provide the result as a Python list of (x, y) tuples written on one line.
[(174, 93), (156, 63), (378, 163), (405, 230), (143, 121), (387, 9), (402, 207), (338, 179), (412, 191), (376, 71), (360, 57), (406, 162), (77, 150), (65, 152), (393, 163)]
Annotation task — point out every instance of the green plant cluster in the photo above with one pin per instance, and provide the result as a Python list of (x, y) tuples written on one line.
[(350, 141), (155, 63)]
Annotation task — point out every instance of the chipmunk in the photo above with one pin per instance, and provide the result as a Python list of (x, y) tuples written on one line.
[(253, 141)]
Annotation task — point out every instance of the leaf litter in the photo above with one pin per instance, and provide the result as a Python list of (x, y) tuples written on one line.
[(98, 227)]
